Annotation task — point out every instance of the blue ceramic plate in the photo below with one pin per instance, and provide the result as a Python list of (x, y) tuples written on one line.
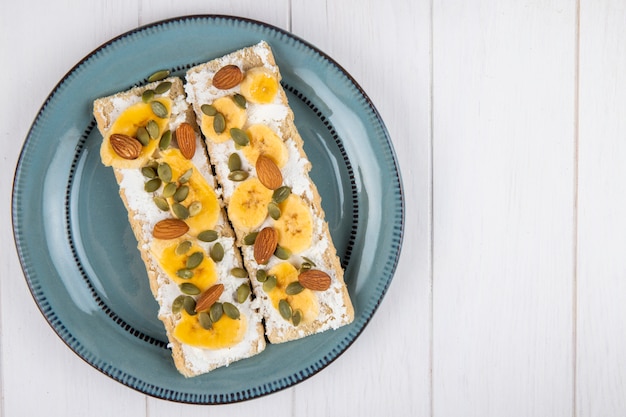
[(78, 252)]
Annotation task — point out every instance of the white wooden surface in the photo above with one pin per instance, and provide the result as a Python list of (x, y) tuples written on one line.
[(509, 121)]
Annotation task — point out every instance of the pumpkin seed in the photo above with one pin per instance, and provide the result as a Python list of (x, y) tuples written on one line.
[(165, 140), (261, 275), (181, 193), (308, 261), (152, 185), (185, 176), (270, 283), (194, 260), (216, 311), (169, 189), (238, 175), (234, 162), (208, 235), (189, 289), (230, 310), (208, 109), (195, 208), (184, 273), (239, 273), (296, 317), (153, 129), (250, 238), (273, 210), (240, 100), (305, 266), (177, 304), (180, 211), (282, 253), (161, 203), (158, 75), (148, 172), (165, 172), (147, 95), (280, 194), (159, 109), (294, 288), (183, 247), (243, 292), (285, 309), (205, 320), (217, 252), (189, 304), (239, 136), (163, 87), (143, 136), (219, 123)]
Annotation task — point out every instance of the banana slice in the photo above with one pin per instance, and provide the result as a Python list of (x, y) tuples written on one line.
[(264, 140), (248, 204), (304, 301), (259, 85), (295, 225), (224, 333), (234, 116)]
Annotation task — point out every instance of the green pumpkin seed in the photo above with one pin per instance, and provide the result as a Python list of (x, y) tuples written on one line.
[(270, 283), (305, 266), (282, 253), (296, 317), (153, 129), (169, 189), (177, 304), (159, 109), (161, 203), (194, 260), (152, 185), (217, 252), (273, 210), (205, 320), (234, 162), (147, 95), (294, 288), (189, 304), (208, 109), (308, 261), (195, 208), (238, 175), (261, 275), (240, 100), (165, 172), (181, 193), (184, 273), (219, 123), (230, 310), (158, 75), (183, 247), (243, 292), (280, 194), (165, 140), (185, 176), (239, 273), (180, 211), (208, 235), (250, 238), (163, 87), (189, 289), (143, 136), (148, 172), (216, 311), (239, 136), (285, 309)]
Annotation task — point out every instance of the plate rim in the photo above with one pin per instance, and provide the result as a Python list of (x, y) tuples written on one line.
[(244, 394)]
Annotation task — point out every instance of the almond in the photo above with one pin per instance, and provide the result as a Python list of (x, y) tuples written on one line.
[(227, 77), (268, 172), (169, 229), (125, 146), (186, 139), (209, 297), (314, 279), (265, 245)]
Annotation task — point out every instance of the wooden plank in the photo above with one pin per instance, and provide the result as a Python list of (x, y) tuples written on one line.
[(601, 344), (503, 173)]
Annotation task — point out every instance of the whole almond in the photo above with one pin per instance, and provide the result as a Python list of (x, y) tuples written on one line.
[(314, 279), (227, 77), (209, 297), (186, 139), (265, 245), (125, 146), (268, 172), (169, 229)]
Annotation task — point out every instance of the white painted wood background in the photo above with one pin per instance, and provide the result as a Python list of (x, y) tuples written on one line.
[(509, 121)]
